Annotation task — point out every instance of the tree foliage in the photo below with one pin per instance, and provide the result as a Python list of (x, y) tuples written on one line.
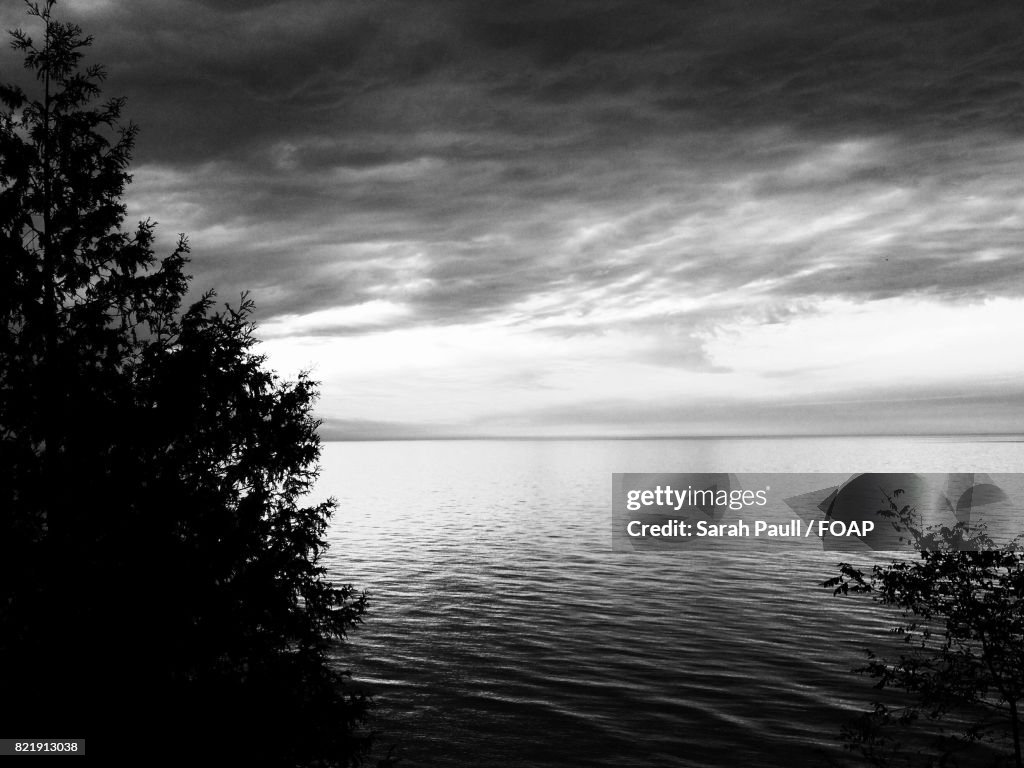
[(160, 573), (961, 675)]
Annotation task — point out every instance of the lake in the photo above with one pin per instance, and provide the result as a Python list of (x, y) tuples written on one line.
[(505, 632)]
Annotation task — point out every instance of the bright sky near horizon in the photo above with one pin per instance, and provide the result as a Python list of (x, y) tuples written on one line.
[(597, 217)]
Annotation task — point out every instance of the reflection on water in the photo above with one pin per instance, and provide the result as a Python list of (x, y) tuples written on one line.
[(504, 631)]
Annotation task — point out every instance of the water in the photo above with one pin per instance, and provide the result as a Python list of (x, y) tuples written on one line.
[(504, 631)]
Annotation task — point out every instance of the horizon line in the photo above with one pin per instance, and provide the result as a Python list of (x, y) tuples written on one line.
[(552, 438)]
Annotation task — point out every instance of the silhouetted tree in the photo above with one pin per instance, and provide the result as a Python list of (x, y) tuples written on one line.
[(159, 573), (962, 620)]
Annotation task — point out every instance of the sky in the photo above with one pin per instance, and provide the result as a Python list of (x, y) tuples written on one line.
[(600, 217)]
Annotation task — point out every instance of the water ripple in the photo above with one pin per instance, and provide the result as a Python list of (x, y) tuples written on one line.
[(504, 632)]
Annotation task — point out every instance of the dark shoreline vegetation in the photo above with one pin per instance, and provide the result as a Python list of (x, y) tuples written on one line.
[(162, 591), (952, 694)]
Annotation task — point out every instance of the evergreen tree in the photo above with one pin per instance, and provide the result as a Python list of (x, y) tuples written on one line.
[(159, 573)]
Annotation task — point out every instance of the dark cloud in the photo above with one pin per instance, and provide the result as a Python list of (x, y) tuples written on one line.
[(625, 70)]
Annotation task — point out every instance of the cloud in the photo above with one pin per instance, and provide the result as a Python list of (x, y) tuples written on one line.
[(883, 344), (563, 177), (840, 365), (814, 222), (334, 321), (969, 414)]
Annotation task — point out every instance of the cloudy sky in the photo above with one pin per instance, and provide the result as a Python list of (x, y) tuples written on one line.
[(598, 217)]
